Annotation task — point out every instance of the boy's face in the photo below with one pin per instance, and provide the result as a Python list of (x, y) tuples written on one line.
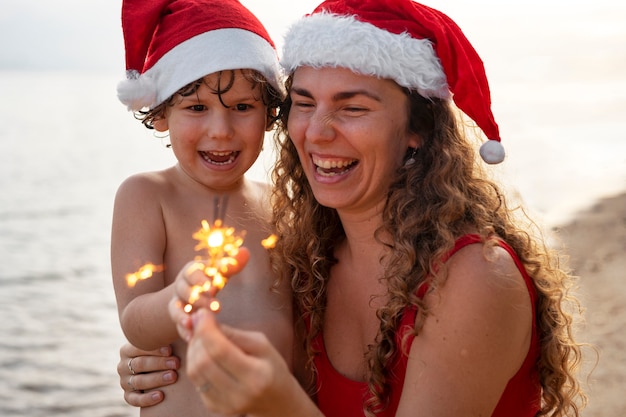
[(217, 137)]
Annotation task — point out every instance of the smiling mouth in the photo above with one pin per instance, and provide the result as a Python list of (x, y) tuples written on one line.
[(219, 158), (331, 167)]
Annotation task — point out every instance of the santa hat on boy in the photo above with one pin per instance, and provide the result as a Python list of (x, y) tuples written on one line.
[(171, 43), (418, 47)]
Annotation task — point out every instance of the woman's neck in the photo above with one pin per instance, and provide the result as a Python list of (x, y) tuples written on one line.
[(361, 238)]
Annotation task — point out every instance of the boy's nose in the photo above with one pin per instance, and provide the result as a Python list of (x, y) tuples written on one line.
[(219, 125)]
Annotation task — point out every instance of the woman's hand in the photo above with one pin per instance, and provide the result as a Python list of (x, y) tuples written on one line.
[(240, 372), (143, 372)]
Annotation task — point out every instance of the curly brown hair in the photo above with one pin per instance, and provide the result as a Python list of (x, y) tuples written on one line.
[(429, 205), (269, 96)]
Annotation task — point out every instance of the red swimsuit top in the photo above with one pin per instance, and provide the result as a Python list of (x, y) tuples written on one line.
[(338, 396)]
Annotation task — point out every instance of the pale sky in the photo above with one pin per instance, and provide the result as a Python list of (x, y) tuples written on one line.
[(86, 34)]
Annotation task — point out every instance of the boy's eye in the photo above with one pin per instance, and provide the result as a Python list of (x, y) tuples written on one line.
[(242, 107), (197, 107)]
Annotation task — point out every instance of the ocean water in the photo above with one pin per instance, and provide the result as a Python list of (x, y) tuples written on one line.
[(66, 144), (65, 150)]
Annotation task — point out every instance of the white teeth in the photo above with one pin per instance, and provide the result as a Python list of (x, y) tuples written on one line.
[(332, 167), (328, 164), (207, 156)]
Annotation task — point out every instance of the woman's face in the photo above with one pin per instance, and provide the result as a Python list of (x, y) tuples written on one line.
[(351, 134)]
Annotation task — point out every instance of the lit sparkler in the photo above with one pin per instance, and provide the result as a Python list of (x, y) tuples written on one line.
[(221, 244)]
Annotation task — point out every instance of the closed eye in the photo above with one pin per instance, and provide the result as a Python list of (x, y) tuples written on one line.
[(302, 104), (354, 109)]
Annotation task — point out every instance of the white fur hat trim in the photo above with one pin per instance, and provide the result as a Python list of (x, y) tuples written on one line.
[(230, 48), (328, 40)]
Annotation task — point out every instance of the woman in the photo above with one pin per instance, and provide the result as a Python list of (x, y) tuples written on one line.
[(419, 290)]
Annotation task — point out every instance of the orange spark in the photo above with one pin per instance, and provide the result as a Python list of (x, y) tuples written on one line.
[(269, 242), (221, 244), (145, 272), (217, 240)]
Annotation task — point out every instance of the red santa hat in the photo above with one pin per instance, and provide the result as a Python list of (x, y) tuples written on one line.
[(418, 47), (171, 43)]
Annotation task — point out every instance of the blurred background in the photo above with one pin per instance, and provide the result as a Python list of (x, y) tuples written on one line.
[(557, 71)]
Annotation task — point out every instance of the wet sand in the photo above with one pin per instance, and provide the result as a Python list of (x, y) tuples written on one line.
[(596, 243)]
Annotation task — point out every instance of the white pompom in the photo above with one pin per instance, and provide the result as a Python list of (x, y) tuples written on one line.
[(492, 152), (137, 93)]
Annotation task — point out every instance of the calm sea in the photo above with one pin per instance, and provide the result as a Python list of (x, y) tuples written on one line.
[(66, 144)]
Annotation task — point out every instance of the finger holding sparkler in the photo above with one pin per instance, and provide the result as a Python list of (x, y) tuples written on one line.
[(195, 288)]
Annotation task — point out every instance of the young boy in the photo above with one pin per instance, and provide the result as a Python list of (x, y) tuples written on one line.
[(206, 72)]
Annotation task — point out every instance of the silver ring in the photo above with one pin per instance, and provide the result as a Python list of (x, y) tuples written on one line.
[(130, 366), (204, 388), (130, 383)]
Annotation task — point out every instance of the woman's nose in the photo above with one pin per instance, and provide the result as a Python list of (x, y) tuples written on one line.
[(320, 127)]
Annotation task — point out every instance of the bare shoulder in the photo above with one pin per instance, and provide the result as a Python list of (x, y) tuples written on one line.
[(486, 298), (486, 270), (259, 190), (486, 292), (261, 186), (146, 182), (257, 197), (474, 338), (147, 190)]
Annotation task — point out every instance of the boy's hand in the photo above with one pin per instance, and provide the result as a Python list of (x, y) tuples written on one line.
[(190, 278)]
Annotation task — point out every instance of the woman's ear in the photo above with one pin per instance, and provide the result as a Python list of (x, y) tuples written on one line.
[(160, 125), (415, 140)]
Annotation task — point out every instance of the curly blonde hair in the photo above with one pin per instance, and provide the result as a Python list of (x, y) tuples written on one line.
[(429, 205)]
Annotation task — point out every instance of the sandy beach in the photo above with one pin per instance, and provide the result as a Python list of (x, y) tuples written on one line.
[(596, 243)]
